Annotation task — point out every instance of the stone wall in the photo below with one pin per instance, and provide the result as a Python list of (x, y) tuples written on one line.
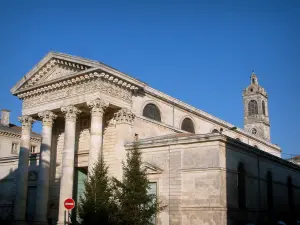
[(198, 181), (172, 115)]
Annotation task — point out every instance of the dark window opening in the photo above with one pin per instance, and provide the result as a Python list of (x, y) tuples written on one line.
[(252, 108), (263, 107), (151, 111), (188, 125)]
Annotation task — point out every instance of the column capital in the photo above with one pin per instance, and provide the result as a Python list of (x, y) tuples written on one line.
[(47, 117), (70, 112), (26, 121), (97, 106), (124, 115)]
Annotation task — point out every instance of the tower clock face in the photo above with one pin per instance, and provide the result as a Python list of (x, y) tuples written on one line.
[(254, 131)]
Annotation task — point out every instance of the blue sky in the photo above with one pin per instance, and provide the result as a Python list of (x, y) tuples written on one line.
[(201, 52)]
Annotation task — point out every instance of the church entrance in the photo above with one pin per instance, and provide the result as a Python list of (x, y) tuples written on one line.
[(80, 174)]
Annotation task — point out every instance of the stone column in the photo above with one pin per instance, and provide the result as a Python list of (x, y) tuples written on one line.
[(67, 170), (124, 119), (97, 110), (22, 175), (44, 169)]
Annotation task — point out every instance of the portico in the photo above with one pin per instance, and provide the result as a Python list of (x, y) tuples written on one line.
[(75, 111)]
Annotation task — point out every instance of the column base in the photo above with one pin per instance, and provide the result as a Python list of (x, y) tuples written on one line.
[(19, 222)]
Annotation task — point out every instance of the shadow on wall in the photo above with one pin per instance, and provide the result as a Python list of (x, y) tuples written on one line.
[(259, 191), (8, 191)]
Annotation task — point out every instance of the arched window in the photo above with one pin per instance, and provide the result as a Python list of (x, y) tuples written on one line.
[(241, 186), (188, 125), (252, 108), (263, 107), (214, 131), (151, 111), (290, 193), (270, 190)]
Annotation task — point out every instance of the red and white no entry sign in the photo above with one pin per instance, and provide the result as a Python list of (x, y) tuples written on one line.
[(69, 203)]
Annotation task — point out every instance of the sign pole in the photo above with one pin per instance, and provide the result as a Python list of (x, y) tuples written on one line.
[(65, 218), (68, 217)]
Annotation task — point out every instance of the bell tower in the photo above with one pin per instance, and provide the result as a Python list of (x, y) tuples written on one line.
[(256, 115)]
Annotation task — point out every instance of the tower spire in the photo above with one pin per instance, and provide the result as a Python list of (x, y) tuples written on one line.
[(256, 116)]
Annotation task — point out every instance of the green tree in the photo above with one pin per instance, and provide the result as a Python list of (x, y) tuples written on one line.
[(96, 205), (136, 205)]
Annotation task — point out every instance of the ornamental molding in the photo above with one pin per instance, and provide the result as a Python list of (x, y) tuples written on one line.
[(48, 117), (26, 121), (70, 112), (124, 115), (79, 79), (97, 106), (88, 86)]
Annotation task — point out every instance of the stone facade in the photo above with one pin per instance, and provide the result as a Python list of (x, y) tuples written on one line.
[(88, 109)]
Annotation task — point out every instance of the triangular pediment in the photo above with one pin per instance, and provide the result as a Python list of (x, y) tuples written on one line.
[(53, 66), (151, 169)]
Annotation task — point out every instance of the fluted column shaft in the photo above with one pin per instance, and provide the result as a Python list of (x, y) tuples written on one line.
[(22, 177), (97, 107), (67, 172), (44, 168), (124, 119)]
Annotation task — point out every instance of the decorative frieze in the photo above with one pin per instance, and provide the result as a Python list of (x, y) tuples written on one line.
[(97, 106), (124, 115), (70, 112), (79, 79), (78, 89), (47, 117)]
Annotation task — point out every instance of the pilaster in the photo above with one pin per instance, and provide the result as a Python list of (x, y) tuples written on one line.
[(123, 119)]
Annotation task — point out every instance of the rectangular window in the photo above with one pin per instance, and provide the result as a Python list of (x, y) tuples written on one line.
[(14, 148), (33, 149), (153, 190)]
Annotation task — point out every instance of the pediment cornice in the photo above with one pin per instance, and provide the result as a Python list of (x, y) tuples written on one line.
[(76, 70), (151, 169), (77, 78)]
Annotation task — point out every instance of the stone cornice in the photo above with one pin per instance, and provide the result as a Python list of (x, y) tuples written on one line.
[(87, 68), (15, 135), (204, 115), (75, 79), (200, 138)]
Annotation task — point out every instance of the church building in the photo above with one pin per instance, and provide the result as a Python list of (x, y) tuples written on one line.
[(205, 170)]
